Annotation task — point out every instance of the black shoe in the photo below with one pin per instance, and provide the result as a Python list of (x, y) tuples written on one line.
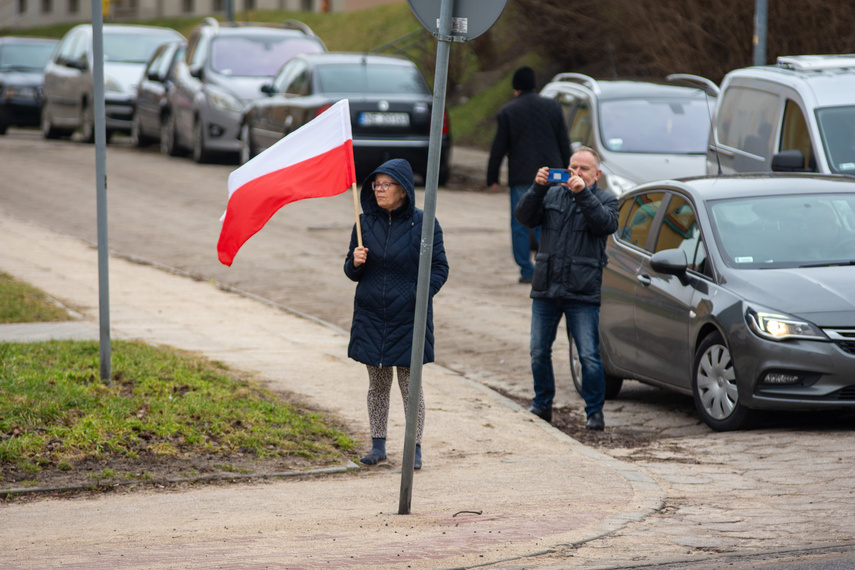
[(525, 279), (596, 421), (545, 415)]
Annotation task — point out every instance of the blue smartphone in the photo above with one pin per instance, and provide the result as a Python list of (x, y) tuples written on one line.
[(559, 175)]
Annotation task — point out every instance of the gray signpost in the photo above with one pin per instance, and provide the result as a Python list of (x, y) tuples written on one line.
[(101, 185), (449, 21)]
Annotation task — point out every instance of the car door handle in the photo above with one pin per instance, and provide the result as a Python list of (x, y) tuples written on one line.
[(644, 279)]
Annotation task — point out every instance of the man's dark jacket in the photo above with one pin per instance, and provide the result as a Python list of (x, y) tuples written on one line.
[(532, 133), (385, 300), (572, 253)]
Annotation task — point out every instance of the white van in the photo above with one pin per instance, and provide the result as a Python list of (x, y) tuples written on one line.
[(796, 116)]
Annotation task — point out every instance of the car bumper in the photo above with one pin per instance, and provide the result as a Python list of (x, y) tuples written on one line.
[(119, 114), (222, 130), (371, 153), (20, 112), (828, 371)]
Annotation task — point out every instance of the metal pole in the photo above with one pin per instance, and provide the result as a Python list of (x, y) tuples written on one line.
[(101, 185), (425, 255), (230, 10), (760, 25)]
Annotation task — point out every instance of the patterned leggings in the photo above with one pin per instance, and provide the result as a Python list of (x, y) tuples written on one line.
[(379, 388)]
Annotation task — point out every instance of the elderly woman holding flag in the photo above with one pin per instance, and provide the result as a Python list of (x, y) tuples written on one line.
[(385, 266)]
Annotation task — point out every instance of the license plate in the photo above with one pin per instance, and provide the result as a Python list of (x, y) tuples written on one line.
[(384, 120)]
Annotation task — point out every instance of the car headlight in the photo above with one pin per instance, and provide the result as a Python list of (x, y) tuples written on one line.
[(618, 184), (112, 85), (225, 102), (773, 326)]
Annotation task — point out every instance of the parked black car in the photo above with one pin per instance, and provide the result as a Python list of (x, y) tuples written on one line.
[(151, 109), (22, 64), (390, 108), (737, 290)]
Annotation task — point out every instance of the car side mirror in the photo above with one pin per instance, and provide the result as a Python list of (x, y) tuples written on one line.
[(80, 64), (267, 89), (671, 262), (154, 76), (789, 161), (196, 72)]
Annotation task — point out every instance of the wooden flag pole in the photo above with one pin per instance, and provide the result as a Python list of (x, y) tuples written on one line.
[(356, 212)]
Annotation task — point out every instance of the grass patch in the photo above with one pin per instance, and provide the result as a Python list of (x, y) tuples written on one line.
[(160, 406), (22, 303)]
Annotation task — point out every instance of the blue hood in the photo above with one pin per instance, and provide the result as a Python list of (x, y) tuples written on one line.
[(402, 172)]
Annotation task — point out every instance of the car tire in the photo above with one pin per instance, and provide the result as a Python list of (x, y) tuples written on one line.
[(48, 130), (87, 124), (138, 139), (168, 141), (200, 154), (613, 383), (247, 151), (715, 386)]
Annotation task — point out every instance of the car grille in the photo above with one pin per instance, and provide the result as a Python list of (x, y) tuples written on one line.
[(844, 338), (846, 394)]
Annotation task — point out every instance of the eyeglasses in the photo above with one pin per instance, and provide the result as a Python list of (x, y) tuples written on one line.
[(383, 185)]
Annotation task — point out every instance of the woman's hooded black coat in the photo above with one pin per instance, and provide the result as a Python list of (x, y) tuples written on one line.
[(385, 300)]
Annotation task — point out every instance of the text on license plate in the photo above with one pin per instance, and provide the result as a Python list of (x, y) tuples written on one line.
[(384, 120)]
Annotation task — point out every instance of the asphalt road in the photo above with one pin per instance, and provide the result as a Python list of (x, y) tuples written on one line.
[(785, 485)]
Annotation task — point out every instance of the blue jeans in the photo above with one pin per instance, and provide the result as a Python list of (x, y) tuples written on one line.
[(583, 322), (520, 243)]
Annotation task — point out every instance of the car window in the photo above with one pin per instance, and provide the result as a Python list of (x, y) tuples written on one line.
[(286, 75), (581, 130), (299, 79), (355, 78), (641, 210), (670, 126), (745, 120), (784, 231), (71, 48), (25, 55), (260, 56), (795, 134), (679, 230), (156, 63), (837, 130), (132, 47)]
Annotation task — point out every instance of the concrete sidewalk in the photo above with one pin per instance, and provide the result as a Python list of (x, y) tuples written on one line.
[(534, 487)]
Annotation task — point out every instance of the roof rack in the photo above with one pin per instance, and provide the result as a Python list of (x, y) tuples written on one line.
[(817, 62), (696, 81), (210, 21), (579, 78), (298, 25)]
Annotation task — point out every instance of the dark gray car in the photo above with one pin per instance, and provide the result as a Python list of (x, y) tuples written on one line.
[(22, 63), (738, 290)]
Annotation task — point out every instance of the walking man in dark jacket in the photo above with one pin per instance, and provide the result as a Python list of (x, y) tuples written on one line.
[(577, 217), (532, 133)]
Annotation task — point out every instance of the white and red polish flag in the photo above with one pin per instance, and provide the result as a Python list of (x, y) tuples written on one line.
[(314, 161)]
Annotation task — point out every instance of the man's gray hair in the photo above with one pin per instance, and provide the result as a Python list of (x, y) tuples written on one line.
[(592, 152)]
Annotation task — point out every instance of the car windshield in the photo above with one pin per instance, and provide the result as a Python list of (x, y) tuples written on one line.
[(666, 126), (258, 56), (381, 79), (785, 231), (837, 129), (132, 47), (25, 56)]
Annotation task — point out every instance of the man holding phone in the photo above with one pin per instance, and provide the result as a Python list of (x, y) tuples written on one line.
[(576, 217), (531, 131)]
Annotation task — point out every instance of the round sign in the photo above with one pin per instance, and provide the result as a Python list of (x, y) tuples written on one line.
[(469, 18)]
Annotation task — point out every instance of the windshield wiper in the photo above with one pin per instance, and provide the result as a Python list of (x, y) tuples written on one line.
[(829, 264)]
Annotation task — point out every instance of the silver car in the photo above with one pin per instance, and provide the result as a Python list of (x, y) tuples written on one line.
[(737, 290), (643, 131), (222, 71), (68, 84)]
